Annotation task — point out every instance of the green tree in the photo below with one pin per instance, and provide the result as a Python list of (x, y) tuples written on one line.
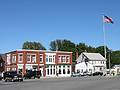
[(33, 46), (115, 57), (56, 45), (100, 50), (63, 45), (82, 47)]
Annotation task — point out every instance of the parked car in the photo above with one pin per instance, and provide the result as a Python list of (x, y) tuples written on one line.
[(75, 74), (32, 74), (12, 76), (97, 73)]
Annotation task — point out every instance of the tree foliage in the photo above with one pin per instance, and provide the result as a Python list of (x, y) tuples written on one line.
[(115, 57), (63, 45), (33, 46)]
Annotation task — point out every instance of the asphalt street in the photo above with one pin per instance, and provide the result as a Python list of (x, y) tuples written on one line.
[(79, 83)]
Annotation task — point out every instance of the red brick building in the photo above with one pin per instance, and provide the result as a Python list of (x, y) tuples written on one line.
[(50, 63), (2, 63)]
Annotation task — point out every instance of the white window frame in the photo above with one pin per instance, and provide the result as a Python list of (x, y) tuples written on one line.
[(33, 59), (13, 58)]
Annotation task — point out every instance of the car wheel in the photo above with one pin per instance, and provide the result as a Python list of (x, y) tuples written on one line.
[(12, 80), (5, 80)]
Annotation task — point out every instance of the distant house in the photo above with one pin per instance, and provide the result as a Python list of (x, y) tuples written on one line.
[(90, 63)]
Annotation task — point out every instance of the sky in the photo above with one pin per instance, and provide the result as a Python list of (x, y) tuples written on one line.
[(79, 21)]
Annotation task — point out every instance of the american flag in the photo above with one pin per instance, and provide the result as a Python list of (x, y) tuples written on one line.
[(108, 19)]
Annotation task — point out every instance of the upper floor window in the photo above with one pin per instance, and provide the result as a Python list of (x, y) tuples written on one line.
[(14, 59), (103, 62), (59, 58), (33, 58), (41, 58), (20, 57), (46, 58), (28, 58), (64, 59), (54, 58), (67, 59), (50, 58), (8, 58)]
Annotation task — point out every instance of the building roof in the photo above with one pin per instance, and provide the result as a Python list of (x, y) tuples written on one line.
[(94, 56), (40, 51)]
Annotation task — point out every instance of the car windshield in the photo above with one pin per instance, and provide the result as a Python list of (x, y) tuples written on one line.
[(13, 73)]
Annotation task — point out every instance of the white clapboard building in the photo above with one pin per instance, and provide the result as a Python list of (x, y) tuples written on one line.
[(90, 63)]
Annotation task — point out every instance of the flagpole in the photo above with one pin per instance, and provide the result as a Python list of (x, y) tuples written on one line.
[(104, 38)]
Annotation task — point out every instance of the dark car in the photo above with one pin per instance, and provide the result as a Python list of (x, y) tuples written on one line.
[(12, 76), (98, 74), (32, 74)]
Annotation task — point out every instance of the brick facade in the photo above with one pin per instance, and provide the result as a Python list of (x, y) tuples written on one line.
[(48, 62)]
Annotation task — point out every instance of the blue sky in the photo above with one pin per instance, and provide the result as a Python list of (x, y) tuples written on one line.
[(48, 20)]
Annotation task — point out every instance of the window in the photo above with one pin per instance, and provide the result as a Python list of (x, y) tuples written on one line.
[(53, 58), (51, 71), (46, 58), (59, 69), (68, 69), (41, 58), (100, 68), (8, 58), (67, 59), (63, 59), (63, 69), (28, 58), (33, 57), (54, 71), (13, 59), (50, 58), (20, 58), (48, 71), (59, 59)]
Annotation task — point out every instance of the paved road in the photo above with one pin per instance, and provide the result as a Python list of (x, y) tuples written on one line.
[(84, 83)]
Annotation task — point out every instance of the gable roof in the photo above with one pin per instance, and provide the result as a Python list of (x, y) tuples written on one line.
[(94, 56)]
